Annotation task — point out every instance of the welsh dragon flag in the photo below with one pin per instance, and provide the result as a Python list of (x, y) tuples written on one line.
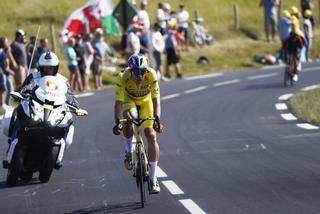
[(94, 14)]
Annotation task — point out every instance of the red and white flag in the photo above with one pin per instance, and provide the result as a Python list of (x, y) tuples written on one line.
[(94, 14)]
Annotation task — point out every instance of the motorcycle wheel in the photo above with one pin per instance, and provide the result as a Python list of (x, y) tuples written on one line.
[(26, 176), (196, 40), (48, 164), (16, 166)]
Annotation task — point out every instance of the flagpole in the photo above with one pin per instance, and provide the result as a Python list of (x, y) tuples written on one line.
[(124, 10), (35, 46)]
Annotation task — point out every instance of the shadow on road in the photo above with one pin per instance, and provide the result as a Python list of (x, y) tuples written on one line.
[(263, 86), (117, 208), (34, 181)]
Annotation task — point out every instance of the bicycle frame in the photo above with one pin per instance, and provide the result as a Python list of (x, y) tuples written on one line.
[(138, 160), (291, 66)]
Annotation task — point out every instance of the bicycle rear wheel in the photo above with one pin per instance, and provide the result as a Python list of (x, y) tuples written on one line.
[(140, 176)]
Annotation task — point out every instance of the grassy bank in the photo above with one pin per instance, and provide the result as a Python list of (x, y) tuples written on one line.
[(306, 105), (232, 50)]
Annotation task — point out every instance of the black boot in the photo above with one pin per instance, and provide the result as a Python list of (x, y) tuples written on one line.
[(5, 164), (58, 165)]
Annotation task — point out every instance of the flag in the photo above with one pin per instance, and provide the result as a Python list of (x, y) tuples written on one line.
[(94, 14)]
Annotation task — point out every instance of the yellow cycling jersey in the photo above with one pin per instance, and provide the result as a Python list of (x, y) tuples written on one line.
[(126, 86)]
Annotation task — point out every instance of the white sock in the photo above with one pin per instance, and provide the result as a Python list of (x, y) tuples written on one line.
[(153, 167), (128, 144)]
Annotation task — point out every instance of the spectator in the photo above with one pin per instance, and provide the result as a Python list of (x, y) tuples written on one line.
[(307, 30), (143, 16), (183, 19), (307, 5), (161, 18), (144, 22), (295, 18), (101, 48), (270, 17), (43, 48), (79, 48), (285, 27), (18, 49), (88, 58), (31, 50), (6, 59), (73, 65), (173, 52), (133, 41), (158, 48), (167, 9), (144, 42), (173, 18)]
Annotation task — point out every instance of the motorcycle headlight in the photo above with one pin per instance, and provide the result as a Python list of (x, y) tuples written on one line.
[(36, 118), (52, 123)]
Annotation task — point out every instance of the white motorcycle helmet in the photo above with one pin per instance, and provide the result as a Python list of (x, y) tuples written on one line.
[(48, 59)]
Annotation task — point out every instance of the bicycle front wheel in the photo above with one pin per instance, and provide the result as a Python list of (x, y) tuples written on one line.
[(140, 176)]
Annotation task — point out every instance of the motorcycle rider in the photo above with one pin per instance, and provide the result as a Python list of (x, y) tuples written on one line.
[(48, 65)]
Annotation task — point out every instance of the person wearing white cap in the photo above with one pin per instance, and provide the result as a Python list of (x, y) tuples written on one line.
[(18, 49), (143, 16), (183, 18)]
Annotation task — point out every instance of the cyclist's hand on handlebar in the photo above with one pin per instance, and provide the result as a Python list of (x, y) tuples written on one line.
[(117, 128), (157, 126)]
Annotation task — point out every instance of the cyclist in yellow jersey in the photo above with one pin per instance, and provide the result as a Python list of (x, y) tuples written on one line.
[(138, 86)]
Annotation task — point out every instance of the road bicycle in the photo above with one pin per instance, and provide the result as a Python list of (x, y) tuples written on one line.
[(139, 157), (291, 66)]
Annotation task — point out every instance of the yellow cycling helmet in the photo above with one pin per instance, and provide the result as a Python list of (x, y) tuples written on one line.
[(171, 24), (307, 13), (286, 14), (294, 10)]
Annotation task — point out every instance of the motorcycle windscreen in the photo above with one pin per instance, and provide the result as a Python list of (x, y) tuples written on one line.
[(51, 89)]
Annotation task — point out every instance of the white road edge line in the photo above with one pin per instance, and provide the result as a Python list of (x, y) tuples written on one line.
[(310, 69), (170, 96), (191, 206), (225, 82), (281, 106), (262, 76), (172, 187), (204, 76), (285, 97), (160, 173), (288, 116), (307, 126), (195, 89), (311, 87), (272, 67)]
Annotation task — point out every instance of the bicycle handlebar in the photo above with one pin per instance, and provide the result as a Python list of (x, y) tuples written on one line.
[(136, 121)]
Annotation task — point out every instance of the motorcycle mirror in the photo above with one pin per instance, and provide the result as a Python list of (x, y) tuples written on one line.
[(16, 95), (81, 112)]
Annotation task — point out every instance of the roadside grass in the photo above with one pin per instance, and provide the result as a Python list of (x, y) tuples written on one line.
[(232, 50), (306, 105)]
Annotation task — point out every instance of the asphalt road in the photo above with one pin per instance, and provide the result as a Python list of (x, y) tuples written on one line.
[(226, 149)]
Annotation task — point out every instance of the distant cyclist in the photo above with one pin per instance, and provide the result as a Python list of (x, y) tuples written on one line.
[(138, 85), (293, 46)]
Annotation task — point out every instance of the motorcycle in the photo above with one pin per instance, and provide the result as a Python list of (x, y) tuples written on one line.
[(38, 130), (200, 35)]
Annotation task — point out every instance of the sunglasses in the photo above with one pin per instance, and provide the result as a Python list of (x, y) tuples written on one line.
[(139, 71)]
